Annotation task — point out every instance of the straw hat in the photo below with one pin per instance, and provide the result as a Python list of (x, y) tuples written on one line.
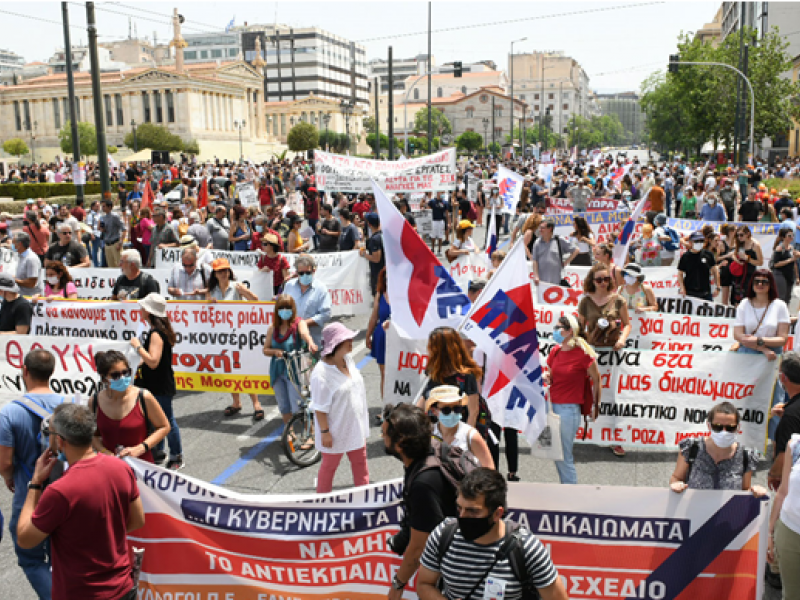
[(155, 304), (446, 394)]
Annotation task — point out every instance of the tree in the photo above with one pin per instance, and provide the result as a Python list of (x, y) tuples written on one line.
[(155, 137), (371, 141), (440, 123), (302, 137), (494, 147), (469, 141), (192, 147), (369, 124), (16, 147), (87, 138), (112, 149)]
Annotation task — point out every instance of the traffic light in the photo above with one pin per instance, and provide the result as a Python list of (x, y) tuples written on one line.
[(457, 69), (674, 59)]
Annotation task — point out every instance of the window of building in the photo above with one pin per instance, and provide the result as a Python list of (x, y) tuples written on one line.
[(17, 116), (498, 131), (565, 107), (566, 95), (146, 107), (107, 106), (439, 92), (78, 109), (549, 96), (498, 111), (549, 107), (118, 106), (416, 94), (566, 130), (27, 111), (522, 97), (65, 106), (159, 111), (56, 113), (189, 55), (216, 54), (170, 107), (535, 107), (203, 53), (536, 96), (233, 52)]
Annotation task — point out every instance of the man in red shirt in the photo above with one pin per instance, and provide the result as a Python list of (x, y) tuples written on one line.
[(87, 512), (266, 195)]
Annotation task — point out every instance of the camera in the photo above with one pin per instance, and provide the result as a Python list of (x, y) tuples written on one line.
[(400, 540)]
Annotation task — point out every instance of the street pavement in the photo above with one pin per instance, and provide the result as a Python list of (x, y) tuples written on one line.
[(247, 457)]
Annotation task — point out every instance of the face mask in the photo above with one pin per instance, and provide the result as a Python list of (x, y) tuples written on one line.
[(723, 439), (558, 337), (61, 456), (450, 420), (52, 280), (392, 452), (473, 528), (697, 245), (259, 228), (121, 384), (285, 313), (306, 278), (629, 280)]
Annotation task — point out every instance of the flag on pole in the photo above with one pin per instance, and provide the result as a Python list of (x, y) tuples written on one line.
[(202, 195), (229, 26), (502, 323), (422, 293), (624, 238), (491, 235), (147, 195), (510, 184)]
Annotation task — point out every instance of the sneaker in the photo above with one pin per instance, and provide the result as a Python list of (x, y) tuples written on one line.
[(513, 477), (618, 450), (773, 579), (159, 458), (176, 464)]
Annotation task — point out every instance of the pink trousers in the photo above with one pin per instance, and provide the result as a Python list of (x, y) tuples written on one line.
[(330, 462)]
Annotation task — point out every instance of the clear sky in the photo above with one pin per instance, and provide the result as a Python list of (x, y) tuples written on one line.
[(617, 43)]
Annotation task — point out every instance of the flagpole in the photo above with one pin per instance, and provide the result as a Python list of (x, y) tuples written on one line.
[(488, 230)]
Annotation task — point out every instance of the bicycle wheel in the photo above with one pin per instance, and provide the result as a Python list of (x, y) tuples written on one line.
[(298, 440)]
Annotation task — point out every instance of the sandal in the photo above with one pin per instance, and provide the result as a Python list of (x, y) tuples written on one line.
[(232, 410), (308, 444), (258, 415)]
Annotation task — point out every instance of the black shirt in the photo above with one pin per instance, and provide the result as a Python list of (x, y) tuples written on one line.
[(373, 245), (464, 206), (348, 238), (329, 243), (136, 289), (438, 208), (70, 255), (161, 380), (430, 498), (696, 267), (14, 313), (750, 210), (788, 425)]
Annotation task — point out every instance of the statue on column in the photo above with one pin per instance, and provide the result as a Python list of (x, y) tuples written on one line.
[(177, 40)]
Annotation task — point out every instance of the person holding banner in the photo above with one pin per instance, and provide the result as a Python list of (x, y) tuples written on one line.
[(604, 255), (222, 286), (570, 363), (58, 284), (747, 258), (463, 244), (339, 401), (273, 262), (638, 296), (311, 296), (583, 239)]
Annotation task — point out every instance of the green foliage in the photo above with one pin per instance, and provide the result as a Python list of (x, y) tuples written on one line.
[(282, 156), (469, 141), (369, 124), (192, 147), (154, 137), (697, 104), (23, 191), (112, 149), (302, 137), (494, 147), (384, 141), (595, 132), (16, 147), (793, 185), (87, 138), (439, 122)]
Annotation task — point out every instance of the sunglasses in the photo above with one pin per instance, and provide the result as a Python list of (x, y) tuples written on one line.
[(760, 281), (189, 266), (729, 428), (602, 279), (446, 410), (117, 374), (64, 233)]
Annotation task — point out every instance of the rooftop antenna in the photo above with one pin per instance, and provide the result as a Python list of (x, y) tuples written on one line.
[(129, 28), (135, 31)]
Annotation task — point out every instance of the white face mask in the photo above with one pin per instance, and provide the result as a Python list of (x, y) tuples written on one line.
[(630, 280), (52, 280), (723, 439), (697, 245)]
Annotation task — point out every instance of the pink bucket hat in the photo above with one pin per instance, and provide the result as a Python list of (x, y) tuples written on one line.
[(333, 335)]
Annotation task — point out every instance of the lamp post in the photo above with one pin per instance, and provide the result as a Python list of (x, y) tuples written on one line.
[(346, 107), (511, 108), (326, 118), (135, 145), (240, 124), (485, 134), (33, 140)]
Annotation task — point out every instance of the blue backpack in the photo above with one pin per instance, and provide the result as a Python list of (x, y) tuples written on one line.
[(39, 411), (674, 240)]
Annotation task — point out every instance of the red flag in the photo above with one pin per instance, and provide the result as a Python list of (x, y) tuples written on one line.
[(202, 195), (147, 196)]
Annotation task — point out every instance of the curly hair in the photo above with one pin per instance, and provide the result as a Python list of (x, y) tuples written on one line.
[(448, 355), (588, 284)]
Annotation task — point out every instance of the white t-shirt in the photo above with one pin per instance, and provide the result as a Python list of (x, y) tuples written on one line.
[(467, 244), (790, 511), (344, 399), (748, 316), (462, 438)]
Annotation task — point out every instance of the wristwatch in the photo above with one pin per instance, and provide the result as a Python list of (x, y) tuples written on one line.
[(397, 584), (35, 486), (759, 341)]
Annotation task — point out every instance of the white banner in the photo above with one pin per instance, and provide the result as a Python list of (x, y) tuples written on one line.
[(75, 367), (765, 233), (470, 266), (247, 194), (8, 261), (406, 361), (663, 280), (98, 284), (219, 345), (432, 173)]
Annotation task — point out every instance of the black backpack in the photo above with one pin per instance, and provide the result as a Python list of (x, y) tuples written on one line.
[(512, 548)]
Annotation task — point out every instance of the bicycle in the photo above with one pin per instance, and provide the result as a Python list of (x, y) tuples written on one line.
[(298, 434)]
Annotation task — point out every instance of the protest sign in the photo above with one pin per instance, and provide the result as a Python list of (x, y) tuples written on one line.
[(75, 370), (602, 223), (346, 274), (424, 221), (339, 173), (606, 541), (765, 233), (247, 194), (467, 267), (8, 261), (405, 364), (98, 284), (218, 348), (557, 206)]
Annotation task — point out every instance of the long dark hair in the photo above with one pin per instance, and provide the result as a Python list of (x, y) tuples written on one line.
[(162, 325), (773, 287), (213, 282), (582, 227)]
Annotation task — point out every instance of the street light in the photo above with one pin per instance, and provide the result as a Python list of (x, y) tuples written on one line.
[(240, 124), (511, 109), (326, 118), (485, 134), (135, 145), (33, 140), (347, 106)]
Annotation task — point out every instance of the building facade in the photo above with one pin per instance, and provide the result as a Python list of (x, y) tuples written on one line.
[(138, 52), (444, 85), (402, 68), (763, 16), (205, 47), (627, 108), (10, 61)]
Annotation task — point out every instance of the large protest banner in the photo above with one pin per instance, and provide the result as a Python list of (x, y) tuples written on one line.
[(663, 280), (765, 233), (470, 266), (340, 173), (98, 284), (346, 274), (204, 541), (602, 223), (218, 349), (557, 206), (75, 367)]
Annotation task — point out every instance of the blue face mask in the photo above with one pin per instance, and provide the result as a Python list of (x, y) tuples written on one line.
[(450, 420), (121, 384), (259, 228), (61, 456), (558, 337), (306, 278), (285, 313)]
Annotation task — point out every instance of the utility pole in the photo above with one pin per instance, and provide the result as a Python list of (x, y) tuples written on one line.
[(430, 67), (742, 141), (97, 93), (76, 142), (391, 107), (738, 129), (511, 111), (377, 119), (494, 129)]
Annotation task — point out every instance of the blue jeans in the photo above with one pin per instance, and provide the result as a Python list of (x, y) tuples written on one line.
[(174, 435), (668, 203), (97, 253), (35, 563), (506, 220), (285, 394), (779, 395), (570, 422)]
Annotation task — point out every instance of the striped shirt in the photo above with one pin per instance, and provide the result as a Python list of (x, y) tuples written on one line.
[(465, 563)]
